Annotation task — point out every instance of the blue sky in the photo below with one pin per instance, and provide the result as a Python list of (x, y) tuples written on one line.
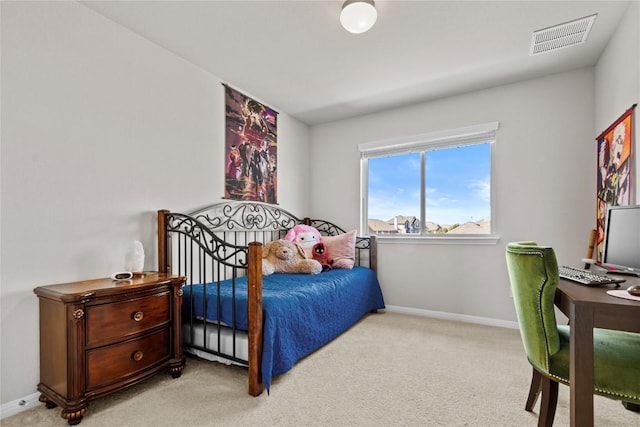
[(458, 185)]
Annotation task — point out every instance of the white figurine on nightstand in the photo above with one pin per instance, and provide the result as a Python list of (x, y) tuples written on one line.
[(134, 259)]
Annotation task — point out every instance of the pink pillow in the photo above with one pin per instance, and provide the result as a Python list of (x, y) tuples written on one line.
[(341, 249)]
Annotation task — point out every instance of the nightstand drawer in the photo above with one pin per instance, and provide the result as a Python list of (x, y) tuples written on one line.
[(118, 361), (108, 322)]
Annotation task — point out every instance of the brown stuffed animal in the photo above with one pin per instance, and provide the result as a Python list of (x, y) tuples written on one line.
[(283, 256)]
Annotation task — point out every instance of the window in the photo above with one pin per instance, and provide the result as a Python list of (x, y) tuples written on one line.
[(436, 185)]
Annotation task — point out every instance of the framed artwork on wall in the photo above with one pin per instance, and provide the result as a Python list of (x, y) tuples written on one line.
[(614, 175), (251, 149)]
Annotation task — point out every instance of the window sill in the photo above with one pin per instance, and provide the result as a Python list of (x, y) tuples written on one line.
[(485, 239)]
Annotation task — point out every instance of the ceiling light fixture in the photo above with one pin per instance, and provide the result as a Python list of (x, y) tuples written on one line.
[(358, 16)]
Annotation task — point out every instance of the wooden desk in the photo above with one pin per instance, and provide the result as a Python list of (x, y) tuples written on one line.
[(589, 308)]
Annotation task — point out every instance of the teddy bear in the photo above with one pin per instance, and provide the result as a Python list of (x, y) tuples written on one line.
[(284, 256), (321, 254), (305, 236)]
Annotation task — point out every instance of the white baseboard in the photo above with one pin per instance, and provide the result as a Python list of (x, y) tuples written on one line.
[(11, 408), (453, 316), (19, 405)]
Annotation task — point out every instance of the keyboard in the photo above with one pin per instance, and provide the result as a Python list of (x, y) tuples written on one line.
[(587, 277)]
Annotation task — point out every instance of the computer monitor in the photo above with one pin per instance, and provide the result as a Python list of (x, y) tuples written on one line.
[(622, 240)]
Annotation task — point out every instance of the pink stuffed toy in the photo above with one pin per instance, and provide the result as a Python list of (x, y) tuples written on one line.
[(305, 236)]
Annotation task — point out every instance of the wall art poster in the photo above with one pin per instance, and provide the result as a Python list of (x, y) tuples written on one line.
[(614, 172), (250, 150)]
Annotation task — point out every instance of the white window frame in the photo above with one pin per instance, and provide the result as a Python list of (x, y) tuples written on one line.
[(469, 135)]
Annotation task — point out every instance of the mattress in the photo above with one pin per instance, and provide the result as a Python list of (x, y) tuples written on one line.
[(211, 334)]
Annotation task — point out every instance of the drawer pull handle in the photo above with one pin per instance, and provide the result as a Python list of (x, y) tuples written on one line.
[(137, 356), (137, 316)]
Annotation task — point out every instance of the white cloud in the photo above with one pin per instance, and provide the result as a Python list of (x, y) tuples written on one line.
[(481, 189)]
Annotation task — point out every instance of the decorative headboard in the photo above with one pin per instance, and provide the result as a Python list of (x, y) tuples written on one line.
[(224, 232)]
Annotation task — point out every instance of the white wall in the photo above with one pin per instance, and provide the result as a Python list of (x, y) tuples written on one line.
[(618, 80), (544, 188), (544, 176), (100, 128)]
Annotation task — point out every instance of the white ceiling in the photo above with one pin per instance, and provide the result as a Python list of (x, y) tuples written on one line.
[(295, 57)]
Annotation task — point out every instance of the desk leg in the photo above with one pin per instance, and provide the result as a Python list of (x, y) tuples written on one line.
[(581, 373)]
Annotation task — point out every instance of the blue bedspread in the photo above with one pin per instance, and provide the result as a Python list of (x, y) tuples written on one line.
[(301, 312)]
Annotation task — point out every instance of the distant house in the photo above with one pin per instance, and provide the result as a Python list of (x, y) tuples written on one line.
[(405, 224), (377, 227), (411, 225), (432, 227), (470, 227)]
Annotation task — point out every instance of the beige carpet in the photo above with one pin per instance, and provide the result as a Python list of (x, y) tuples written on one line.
[(389, 369)]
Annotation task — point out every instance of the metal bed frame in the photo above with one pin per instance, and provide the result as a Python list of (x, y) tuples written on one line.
[(223, 242)]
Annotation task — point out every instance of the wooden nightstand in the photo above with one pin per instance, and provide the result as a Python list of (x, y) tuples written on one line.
[(99, 336)]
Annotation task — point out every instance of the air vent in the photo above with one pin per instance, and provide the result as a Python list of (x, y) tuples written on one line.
[(560, 36)]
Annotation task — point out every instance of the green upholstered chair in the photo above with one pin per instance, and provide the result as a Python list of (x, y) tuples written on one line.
[(533, 272)]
